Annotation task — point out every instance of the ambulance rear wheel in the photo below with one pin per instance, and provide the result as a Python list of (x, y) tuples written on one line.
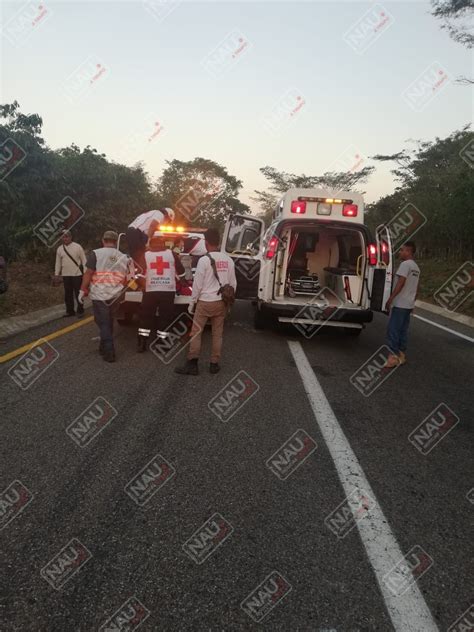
[(260, 320)]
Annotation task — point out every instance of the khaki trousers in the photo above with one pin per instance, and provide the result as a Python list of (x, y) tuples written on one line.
[(216, 311)]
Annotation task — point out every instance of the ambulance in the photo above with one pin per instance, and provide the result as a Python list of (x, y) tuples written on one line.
[(316, 265)]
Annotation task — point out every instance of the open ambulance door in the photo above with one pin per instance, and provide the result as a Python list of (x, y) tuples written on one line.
[(382, 273), (243, 236)]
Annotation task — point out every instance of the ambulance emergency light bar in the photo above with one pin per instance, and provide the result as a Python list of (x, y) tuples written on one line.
[(324, 206)]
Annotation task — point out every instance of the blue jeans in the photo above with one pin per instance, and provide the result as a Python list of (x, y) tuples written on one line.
[(104, 321), (397, 329)]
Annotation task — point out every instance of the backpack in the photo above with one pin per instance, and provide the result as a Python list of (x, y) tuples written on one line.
[(226, 291)]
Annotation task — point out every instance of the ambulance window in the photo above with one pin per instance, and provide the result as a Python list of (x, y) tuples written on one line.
[(243, 234)]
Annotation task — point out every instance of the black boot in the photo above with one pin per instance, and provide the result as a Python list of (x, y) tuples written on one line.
[(214, 367), (109, 356), (190, 368), (141, 347)]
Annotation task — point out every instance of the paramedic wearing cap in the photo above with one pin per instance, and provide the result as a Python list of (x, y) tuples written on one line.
[(209, 304), (162, 265), (107, 272), (143, 227)]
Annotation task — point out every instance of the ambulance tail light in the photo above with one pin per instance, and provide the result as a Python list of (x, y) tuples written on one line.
[(271, 248), (349, 210), (372, 254), (298, 207)]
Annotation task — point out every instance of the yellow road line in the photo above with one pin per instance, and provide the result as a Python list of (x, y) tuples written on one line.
[(55, 334)]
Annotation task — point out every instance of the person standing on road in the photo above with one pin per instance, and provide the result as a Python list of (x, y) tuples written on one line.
[(142, 229), (214, 270), (161, 268), (401, 304), (70, 262), (108, 271)]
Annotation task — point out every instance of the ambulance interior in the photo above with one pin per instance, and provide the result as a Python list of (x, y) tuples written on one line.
[(321, 257)]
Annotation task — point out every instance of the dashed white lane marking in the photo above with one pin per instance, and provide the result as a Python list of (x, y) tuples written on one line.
[(409, 611), (451, 331)]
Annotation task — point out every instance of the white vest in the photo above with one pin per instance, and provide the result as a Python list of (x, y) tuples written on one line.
[(110, 274), (160, 271)]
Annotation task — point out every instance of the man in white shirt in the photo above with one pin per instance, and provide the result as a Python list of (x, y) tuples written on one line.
[(401, 304), (143, 227), (207, 303), (70, 262)]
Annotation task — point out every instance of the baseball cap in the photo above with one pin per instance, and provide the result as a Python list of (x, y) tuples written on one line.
[(110, 235)]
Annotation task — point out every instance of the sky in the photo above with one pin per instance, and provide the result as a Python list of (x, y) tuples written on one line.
[(305, 87)]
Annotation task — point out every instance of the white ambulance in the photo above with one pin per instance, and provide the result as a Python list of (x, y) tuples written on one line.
[(316, 264)]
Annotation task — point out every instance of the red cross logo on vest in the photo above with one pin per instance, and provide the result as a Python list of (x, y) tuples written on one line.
[(159, 265)]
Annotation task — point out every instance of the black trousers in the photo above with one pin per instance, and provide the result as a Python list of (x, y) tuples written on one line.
[(136, 240), (149, 322), (72, 285)]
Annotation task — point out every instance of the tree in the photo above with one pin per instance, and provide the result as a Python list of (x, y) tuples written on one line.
[(282, 181), (201, 192), (454, 14)]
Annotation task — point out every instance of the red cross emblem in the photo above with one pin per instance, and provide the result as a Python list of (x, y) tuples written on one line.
[(159, 265)]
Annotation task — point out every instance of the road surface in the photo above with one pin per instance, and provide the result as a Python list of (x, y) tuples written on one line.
[(133, 496)]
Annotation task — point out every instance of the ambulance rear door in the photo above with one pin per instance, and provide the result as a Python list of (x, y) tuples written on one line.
[(242, 241), (380, 274)]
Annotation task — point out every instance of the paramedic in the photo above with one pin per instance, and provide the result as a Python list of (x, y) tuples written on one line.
[(161, 268), (142, 228), (207, 303)]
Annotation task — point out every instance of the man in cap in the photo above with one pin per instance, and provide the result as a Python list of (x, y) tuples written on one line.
[(106, 274), (143, 227), (70, 262), (162, 265)]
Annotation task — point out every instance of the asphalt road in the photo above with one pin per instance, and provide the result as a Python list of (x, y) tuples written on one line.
[(100, 526)]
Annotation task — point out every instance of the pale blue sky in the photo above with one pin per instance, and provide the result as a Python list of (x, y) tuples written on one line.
[(154, 71)]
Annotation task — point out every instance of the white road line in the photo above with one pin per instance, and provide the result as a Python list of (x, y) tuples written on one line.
[(451, 331), (408, 611)]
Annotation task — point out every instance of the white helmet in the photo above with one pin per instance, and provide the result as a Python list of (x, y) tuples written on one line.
[(169, 212)]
